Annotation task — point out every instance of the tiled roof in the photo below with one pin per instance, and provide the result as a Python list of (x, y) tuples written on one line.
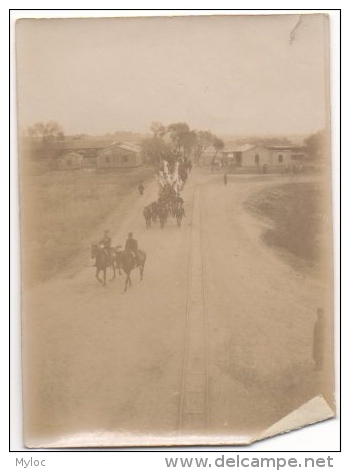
[(127, 146)]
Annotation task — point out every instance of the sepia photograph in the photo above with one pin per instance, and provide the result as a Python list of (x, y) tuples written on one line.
[(175, 186)]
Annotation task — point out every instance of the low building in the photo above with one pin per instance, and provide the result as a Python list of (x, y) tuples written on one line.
[(70, 161), (285, 155), (87, 147), (249, 155), (120, 155), (246, 155)]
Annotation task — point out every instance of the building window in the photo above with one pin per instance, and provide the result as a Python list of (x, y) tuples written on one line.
[(257, 159), (280, 158)]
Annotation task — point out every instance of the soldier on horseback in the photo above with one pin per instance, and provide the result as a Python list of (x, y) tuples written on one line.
[(132, 247), (147, 213), (106, 243)]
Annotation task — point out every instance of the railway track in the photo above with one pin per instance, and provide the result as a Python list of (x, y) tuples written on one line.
[(194, 401)]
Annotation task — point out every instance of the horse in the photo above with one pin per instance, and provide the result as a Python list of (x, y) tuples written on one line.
[(103, 261), (147, 213), (127, 261)]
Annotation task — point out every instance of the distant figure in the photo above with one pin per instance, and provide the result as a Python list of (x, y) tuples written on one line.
[(319, 340), (131, 246), (141, 189), (225, 178)]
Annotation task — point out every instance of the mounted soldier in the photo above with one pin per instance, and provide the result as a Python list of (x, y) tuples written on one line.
[(132, 246), (147, 213), (103, 253), (179, 214), (154, 211), (106, 244)]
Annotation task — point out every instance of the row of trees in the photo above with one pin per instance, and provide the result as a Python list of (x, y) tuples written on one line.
[(178, 140), (45, 132), (37, 140)]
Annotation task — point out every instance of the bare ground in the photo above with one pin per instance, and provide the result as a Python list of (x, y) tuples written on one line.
[(295, 212), (61, 209), (103, 367)]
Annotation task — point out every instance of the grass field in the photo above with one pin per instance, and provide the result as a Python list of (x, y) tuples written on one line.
[(59, 209), (298, 223)]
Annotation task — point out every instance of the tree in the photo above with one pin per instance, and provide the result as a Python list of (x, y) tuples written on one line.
[(204, 140), (154, 149), (179, 135), (189, 141), (218, 144), (52, 131), (158, 129), (177, 139), (316, 144), (43, 135), (47, 132)]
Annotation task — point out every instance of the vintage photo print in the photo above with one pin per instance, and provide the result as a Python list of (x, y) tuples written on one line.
[(176, 229)]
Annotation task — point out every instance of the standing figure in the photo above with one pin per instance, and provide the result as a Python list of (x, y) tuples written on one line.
[(225, 178), (141, 189)]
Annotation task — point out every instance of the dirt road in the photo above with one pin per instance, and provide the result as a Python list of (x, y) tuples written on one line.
[(217, 338)]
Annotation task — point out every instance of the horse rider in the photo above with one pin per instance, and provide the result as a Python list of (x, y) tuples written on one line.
[(132, 247), (106, 243)]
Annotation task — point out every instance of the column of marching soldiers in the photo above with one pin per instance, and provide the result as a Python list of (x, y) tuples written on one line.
[(171, 180)]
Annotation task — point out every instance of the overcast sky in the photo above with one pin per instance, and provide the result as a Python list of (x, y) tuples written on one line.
[(236, 75)]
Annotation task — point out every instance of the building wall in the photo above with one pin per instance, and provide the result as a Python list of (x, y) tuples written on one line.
[(280, 157), (118, 158), (273, 157), (266, 157), (249, 156), (70, 162)]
